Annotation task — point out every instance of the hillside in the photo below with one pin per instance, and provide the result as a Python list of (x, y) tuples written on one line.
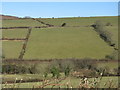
[(4, 17), (59, 52), (77, 39)]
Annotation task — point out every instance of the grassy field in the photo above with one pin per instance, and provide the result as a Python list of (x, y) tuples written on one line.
[(80, 21), (70, 42), (59, 43), (11, 49), (17, 33), (20, 23), (64, 42)]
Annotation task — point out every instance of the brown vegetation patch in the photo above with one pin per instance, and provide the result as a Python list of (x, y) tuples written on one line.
[(7, 17)]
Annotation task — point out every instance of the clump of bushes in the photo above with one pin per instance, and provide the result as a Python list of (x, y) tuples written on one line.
[(55, 72), (13, 69), (100, 28), (56, 67), (84, 64), (65, 66), (67, 71), (108, 24), (64, 24), (18, 69)]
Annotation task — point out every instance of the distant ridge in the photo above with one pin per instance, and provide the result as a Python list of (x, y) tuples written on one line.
[(3, 17)]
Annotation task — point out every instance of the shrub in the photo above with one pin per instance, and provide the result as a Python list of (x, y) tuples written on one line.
[(13, 69), (55, 72), (109, 57), (99, 27), (45, 74), (67, 71), (62, 64), (64, 24), (42, 68), (108, 24), (104, 70), (84, 64), (32, 69), (90, 73)]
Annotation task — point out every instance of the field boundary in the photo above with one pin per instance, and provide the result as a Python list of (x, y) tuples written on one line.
[(50, 60), (22, 27), (13, 39), (7, 28), (23, 50), (110, 44), (50, 25)]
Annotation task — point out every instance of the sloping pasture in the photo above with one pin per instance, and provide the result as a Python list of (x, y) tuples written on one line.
[(14, 33), (11, 49), (80, 21), (20, 23), (66, 42)]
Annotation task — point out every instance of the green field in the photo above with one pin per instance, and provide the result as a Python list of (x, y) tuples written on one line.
[(17, 33), (11, 49), (20, 23), (80, 21), (68, 42), (62, 42), (64, 52)]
